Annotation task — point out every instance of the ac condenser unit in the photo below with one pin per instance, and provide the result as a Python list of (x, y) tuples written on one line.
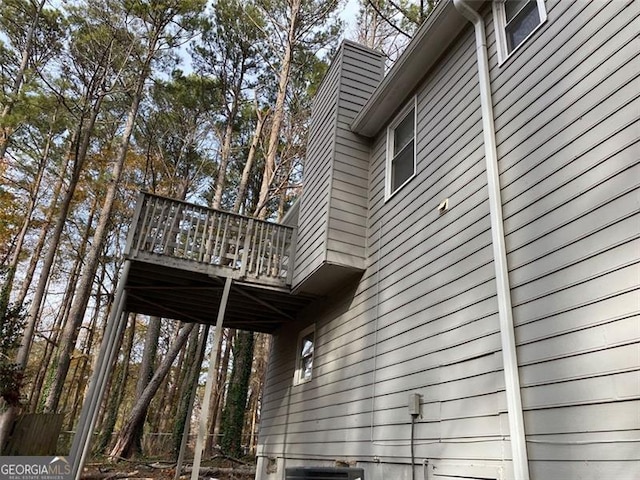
[(324, 473)]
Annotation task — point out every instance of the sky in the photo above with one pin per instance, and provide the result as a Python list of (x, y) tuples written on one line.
[(348, 15)]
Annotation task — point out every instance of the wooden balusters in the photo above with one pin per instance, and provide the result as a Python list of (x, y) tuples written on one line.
[(253, 248)]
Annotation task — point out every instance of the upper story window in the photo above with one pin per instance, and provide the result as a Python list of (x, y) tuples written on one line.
[(401, 150), (515, 21), (304, 360)]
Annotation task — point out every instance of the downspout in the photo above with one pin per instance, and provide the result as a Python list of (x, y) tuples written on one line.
[(505, 313)]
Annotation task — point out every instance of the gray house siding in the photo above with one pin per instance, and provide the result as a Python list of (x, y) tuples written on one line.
[(423, 317), (312, 223), (333, 214), (438, 332), (569, 150)]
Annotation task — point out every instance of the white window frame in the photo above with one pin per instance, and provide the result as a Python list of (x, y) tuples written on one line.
[(413, 104), (298, 378), (500, 25)]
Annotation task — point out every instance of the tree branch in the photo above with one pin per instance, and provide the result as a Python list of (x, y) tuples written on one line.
[(393, 25)]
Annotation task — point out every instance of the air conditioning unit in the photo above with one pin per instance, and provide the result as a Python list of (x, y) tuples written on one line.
[(324, 473)]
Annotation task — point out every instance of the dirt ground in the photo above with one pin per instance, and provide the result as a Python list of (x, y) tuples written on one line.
[(211, 470)]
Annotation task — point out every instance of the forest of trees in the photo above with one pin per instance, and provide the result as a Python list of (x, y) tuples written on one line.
[(100, 99)]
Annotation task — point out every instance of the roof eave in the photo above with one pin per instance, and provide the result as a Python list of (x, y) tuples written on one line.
[(430, 41)]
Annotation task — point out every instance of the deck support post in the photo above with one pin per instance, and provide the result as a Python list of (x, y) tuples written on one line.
[(192, 396), (211, 380), (89, 414)]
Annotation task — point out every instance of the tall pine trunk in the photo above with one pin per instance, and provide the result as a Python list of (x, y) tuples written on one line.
[(278, 113), (83, 374), (116, 390), (44, 229), (235, 406), (145, 372), (182, 417), (225, 155), (83, 136), (7, 287), (217, 396), (8, 416), (260, 361), (81, 299), (5, 131), (246, 171), (123, 447)]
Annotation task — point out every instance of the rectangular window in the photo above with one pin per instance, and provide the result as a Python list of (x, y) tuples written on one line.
[(304, 359), (401, 150), (515, 21)]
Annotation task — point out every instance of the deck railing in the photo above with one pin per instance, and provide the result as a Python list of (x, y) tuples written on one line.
[(242, 246)]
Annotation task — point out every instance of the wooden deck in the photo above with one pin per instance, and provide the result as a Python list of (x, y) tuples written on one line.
[(180, 234), (180, 254)]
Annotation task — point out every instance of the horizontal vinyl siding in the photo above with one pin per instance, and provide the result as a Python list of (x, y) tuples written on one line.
[(314, 204), (425, 309), (568, 128), (333, 214), (423, 318), (346, 244)]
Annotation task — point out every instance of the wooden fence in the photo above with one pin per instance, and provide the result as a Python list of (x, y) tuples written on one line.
[(35, 434)]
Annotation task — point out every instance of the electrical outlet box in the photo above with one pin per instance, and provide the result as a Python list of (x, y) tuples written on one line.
[(414, 404)]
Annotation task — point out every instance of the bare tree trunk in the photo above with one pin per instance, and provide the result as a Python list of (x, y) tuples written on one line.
[(81, 299), (164, 402), (123, 447), (109, 387), (81, 382), (149, 354), (22, 357), (260, 362), (225, 154), (174, 383), (146, 370), (217, 397), (282, 202), (235, 406), (73, 280), (5, 132), (246, 171), (185, 400), (94, 337), (83, 134), (7, 287), (278, 113), (44, 230), (155, 415), (44, 371)]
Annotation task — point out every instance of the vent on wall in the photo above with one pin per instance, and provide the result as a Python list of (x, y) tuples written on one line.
[(324, 473)]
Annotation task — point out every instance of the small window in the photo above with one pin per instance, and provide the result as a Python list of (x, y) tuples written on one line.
[(515, 21), (401, 150), (304, 362)]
